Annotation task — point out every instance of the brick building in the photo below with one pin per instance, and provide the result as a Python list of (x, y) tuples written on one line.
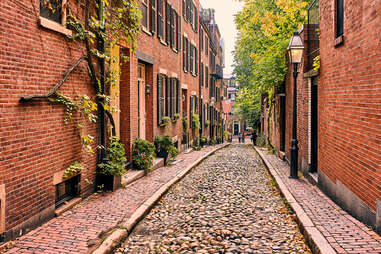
[(338, 114), (160, 80)]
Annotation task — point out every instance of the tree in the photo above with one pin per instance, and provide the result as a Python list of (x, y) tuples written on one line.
[(265, 27)]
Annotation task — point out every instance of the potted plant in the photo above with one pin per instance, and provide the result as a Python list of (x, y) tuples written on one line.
[(143, 154), (219, 140), (113, 167), (164, 147)]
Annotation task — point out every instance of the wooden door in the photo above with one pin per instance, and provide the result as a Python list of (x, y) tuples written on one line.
[(141, 102)]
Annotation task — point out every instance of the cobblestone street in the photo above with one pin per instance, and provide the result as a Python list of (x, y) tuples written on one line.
[(227, 204)]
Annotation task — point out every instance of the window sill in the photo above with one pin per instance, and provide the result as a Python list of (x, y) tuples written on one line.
[(163, 42), (70, 204), (51, 25), (144, 29), (339, 41)]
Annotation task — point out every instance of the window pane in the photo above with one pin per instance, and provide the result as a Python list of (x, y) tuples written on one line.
[(144, 14), (51, 9)]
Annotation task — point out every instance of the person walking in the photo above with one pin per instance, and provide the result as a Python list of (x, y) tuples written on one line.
[(243, 137), (254, 137), (239, 137)]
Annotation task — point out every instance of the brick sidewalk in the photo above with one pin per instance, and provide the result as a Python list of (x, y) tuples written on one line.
[(343, 232), (85, 225)]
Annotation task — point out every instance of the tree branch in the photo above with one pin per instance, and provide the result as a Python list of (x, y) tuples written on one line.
[(111, 118), (57, 86), (88, 48)]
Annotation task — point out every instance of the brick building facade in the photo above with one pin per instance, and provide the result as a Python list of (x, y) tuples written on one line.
[(338, 107), (160, 79)]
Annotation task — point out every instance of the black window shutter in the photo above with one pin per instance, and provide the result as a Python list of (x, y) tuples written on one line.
[(184, 54), (195, 19), (173, 98), (159, 99), (206, 76), (187, 65), (178, 32), (184, 9), (191, 51), (178, 94), (191, 111), (166, 96), (153, 17), (167, 21), (196, 60)]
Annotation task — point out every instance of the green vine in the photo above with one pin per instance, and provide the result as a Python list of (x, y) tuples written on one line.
[(316, 63), (74, 169)]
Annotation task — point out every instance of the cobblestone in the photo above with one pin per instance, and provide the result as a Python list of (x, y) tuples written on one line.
[(227, 204)]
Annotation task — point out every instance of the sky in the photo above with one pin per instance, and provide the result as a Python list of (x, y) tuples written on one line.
[(224, 15)]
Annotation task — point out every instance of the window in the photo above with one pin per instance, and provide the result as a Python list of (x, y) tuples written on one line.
[(160, 20), (195, 19), (52, 10), (184, 9), (191, 58), (188, 54), (206, 76), (339, 18), (152, 17), (167, 22), (191, 14), (201, 78), (206, 45), (144, 9), (188, 10), (184, 54), (195, 61), (178, 96), (172, 27), (160, 98), (178, 32), (167, 96), (67, 190), (201, 39)]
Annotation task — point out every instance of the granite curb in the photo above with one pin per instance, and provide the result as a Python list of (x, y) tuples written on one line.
[(318, 243), (126, 226)]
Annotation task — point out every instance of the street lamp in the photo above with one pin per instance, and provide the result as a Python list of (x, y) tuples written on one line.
[(295, 52)]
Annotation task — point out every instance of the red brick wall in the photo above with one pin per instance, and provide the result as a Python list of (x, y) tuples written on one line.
[(35, 143), (349, 99)]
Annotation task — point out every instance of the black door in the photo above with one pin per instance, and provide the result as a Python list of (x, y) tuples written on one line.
[(314, 125)]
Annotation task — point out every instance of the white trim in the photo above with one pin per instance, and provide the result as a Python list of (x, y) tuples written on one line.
[(163, 71), (57, 27)]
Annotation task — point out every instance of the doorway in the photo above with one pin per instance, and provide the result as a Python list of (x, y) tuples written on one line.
[(141, 101), (236, 128), (314, 125)]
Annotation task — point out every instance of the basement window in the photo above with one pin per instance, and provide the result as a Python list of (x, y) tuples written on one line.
[(67, 190)]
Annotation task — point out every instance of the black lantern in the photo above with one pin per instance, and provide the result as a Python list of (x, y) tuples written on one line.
[(295, 53)]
